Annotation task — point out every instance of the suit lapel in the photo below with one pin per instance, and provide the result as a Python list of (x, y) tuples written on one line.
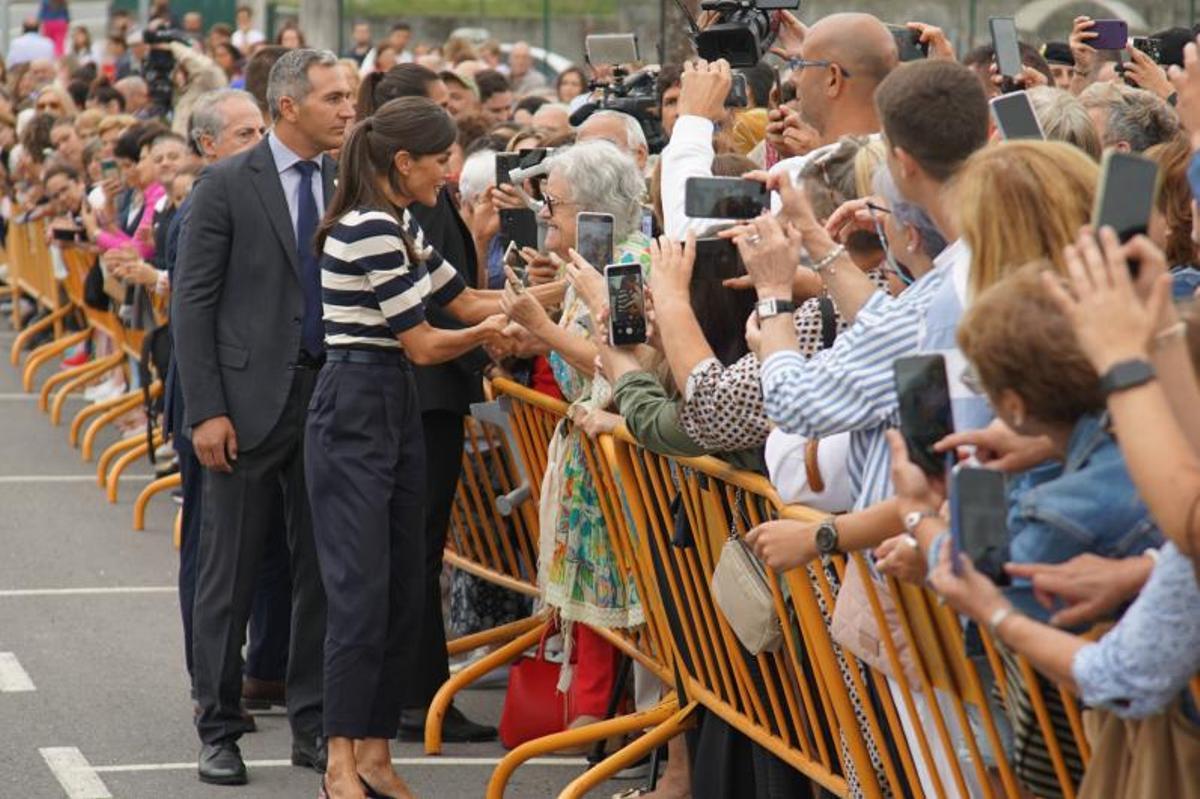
[(265, 180)]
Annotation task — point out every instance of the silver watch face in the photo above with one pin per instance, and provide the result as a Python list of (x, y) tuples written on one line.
[(911, 520), (826, 538)]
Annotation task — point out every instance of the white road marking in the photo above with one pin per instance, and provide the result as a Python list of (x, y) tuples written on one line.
[(127, 589), (399, 761), (74, 773), (13, 678), (62, 478)]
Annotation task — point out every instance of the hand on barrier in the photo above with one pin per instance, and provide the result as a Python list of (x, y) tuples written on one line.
[(1089, 586), (897, 557), (785, 543)]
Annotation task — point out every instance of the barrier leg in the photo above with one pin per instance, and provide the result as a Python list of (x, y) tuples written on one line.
[(87, 371), (177, 535), (574, 738), (71, 385), (627, 756), (130, 401), (445, 695), (89, 411), (47, 352), (30, 332), (158, 486), (110, 454), (122, 463)]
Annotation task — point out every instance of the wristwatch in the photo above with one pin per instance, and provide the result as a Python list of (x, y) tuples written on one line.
[(773, 307), (827, 537), (1126, 375), (913, 519)]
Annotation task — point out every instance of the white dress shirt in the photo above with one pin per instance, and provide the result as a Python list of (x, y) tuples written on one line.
[(285, 160)]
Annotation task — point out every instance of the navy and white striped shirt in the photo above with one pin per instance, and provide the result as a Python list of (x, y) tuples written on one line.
[(371, 290), (850, 387)]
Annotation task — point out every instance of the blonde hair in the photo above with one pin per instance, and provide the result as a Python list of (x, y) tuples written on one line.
[(1019, 202), (1064, 118), (845, 172), (121, 121)]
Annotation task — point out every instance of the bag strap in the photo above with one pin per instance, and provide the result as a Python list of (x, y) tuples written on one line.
[(829, 329), (812, 466)]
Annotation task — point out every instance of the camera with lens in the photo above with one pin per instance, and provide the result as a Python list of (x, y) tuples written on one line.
[(633, 93), (743, 31), (159, 66)]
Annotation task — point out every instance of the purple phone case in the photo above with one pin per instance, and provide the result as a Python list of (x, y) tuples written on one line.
[(1112, 34)]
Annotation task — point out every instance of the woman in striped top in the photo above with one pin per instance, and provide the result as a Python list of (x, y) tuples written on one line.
[(365, 457)]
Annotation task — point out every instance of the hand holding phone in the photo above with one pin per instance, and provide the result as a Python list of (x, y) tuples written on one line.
[(1111, 34), (626, 304), (925, 413), (594, 238), (979, 520), (1125, 197), (1006, 48), (908, 43)]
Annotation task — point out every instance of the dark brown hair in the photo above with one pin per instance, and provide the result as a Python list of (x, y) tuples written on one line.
[(402, 80), (258, 70), (936, 111), (413, 124), (1174, 198)]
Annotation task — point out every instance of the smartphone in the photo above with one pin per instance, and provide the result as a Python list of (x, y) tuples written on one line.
[(979, 519), (1004, 42), (505, 164), (109, 170), (925, 414), (739, 95), (61, 234), (519, 225), (1125, 198), (611, 48), (1151, 46), (1111, 34), (513, 260), (1015, 117), (724, 198), (594, 238), (649, 225), (908, 43), (626, 303), (718, 259)]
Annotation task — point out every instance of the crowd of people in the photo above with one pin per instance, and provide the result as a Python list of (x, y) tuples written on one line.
[(324, 239)]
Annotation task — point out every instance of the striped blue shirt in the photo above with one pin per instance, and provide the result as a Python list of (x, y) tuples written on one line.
[(372, 291), (850, 387)]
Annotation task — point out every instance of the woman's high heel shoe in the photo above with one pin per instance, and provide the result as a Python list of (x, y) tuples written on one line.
[(371, 792)]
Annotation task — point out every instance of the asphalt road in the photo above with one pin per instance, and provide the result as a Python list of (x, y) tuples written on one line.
[(109, 712)]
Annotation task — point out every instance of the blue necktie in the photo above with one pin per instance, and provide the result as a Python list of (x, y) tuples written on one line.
[(312, 331)]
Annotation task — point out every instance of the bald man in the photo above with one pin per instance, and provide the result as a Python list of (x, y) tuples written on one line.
[(552, 116), (521, 74), (136, 92)]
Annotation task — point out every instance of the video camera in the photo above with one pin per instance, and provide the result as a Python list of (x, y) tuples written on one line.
[(159, 66), (743, 31), (635, 94)]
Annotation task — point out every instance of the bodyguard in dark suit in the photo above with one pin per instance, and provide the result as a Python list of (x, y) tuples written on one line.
[(247, 311)]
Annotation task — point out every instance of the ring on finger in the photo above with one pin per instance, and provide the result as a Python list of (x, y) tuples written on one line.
[(753, 239)]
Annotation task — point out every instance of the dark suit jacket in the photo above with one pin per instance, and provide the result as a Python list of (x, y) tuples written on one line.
[(454, 385), (236, 301)]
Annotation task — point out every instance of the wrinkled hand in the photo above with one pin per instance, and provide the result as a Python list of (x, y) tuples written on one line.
[(522, 307), (784, 543), (1141, 69), (215, 443), (1186, 81), (935, 39), (897, 557), (1110, 320), (587, 282), (1090, 586), (542, 267), (969, 593), (771, 255), (915, 490), (704, 87), (595, 422), (789, 134), (671, 265), (1028, 79), (485, 217), (1084, 53), (998, 447)]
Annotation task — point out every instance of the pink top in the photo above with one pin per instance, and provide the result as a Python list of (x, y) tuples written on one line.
[(112, 239)]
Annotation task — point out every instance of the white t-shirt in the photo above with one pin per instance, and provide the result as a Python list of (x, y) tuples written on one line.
[(244, 40)]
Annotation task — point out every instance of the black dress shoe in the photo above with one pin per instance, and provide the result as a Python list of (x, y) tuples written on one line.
[(222, 764), (310, 754), (456, 728), (261, 694)]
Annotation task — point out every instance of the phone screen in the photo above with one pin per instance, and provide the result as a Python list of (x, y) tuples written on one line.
[(724, 198), (979, 519), (611, 48), (925, 415), (1126, 197), (594, 238), (1004, 40), (109, 170), (1015, 117), (627, 304), (718, 259), (738, 96), (506, 163), (908, 43)]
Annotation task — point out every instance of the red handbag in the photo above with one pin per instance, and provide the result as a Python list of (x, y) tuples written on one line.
[(533, 705)]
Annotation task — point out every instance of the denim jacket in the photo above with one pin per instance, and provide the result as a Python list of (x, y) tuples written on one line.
[(1089, 505)]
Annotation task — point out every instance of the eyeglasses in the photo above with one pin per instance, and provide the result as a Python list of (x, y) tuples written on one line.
[(802, 63), (549, 201)]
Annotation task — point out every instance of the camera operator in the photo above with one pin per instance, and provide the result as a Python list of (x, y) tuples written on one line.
[(194, 75)]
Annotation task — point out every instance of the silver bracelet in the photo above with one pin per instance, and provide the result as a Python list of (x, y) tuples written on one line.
[(997, 618), (830, 257)]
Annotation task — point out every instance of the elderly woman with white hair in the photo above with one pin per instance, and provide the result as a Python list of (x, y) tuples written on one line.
[(577, 568)]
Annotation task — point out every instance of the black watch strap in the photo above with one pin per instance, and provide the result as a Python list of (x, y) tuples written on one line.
[(1126, 375)]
